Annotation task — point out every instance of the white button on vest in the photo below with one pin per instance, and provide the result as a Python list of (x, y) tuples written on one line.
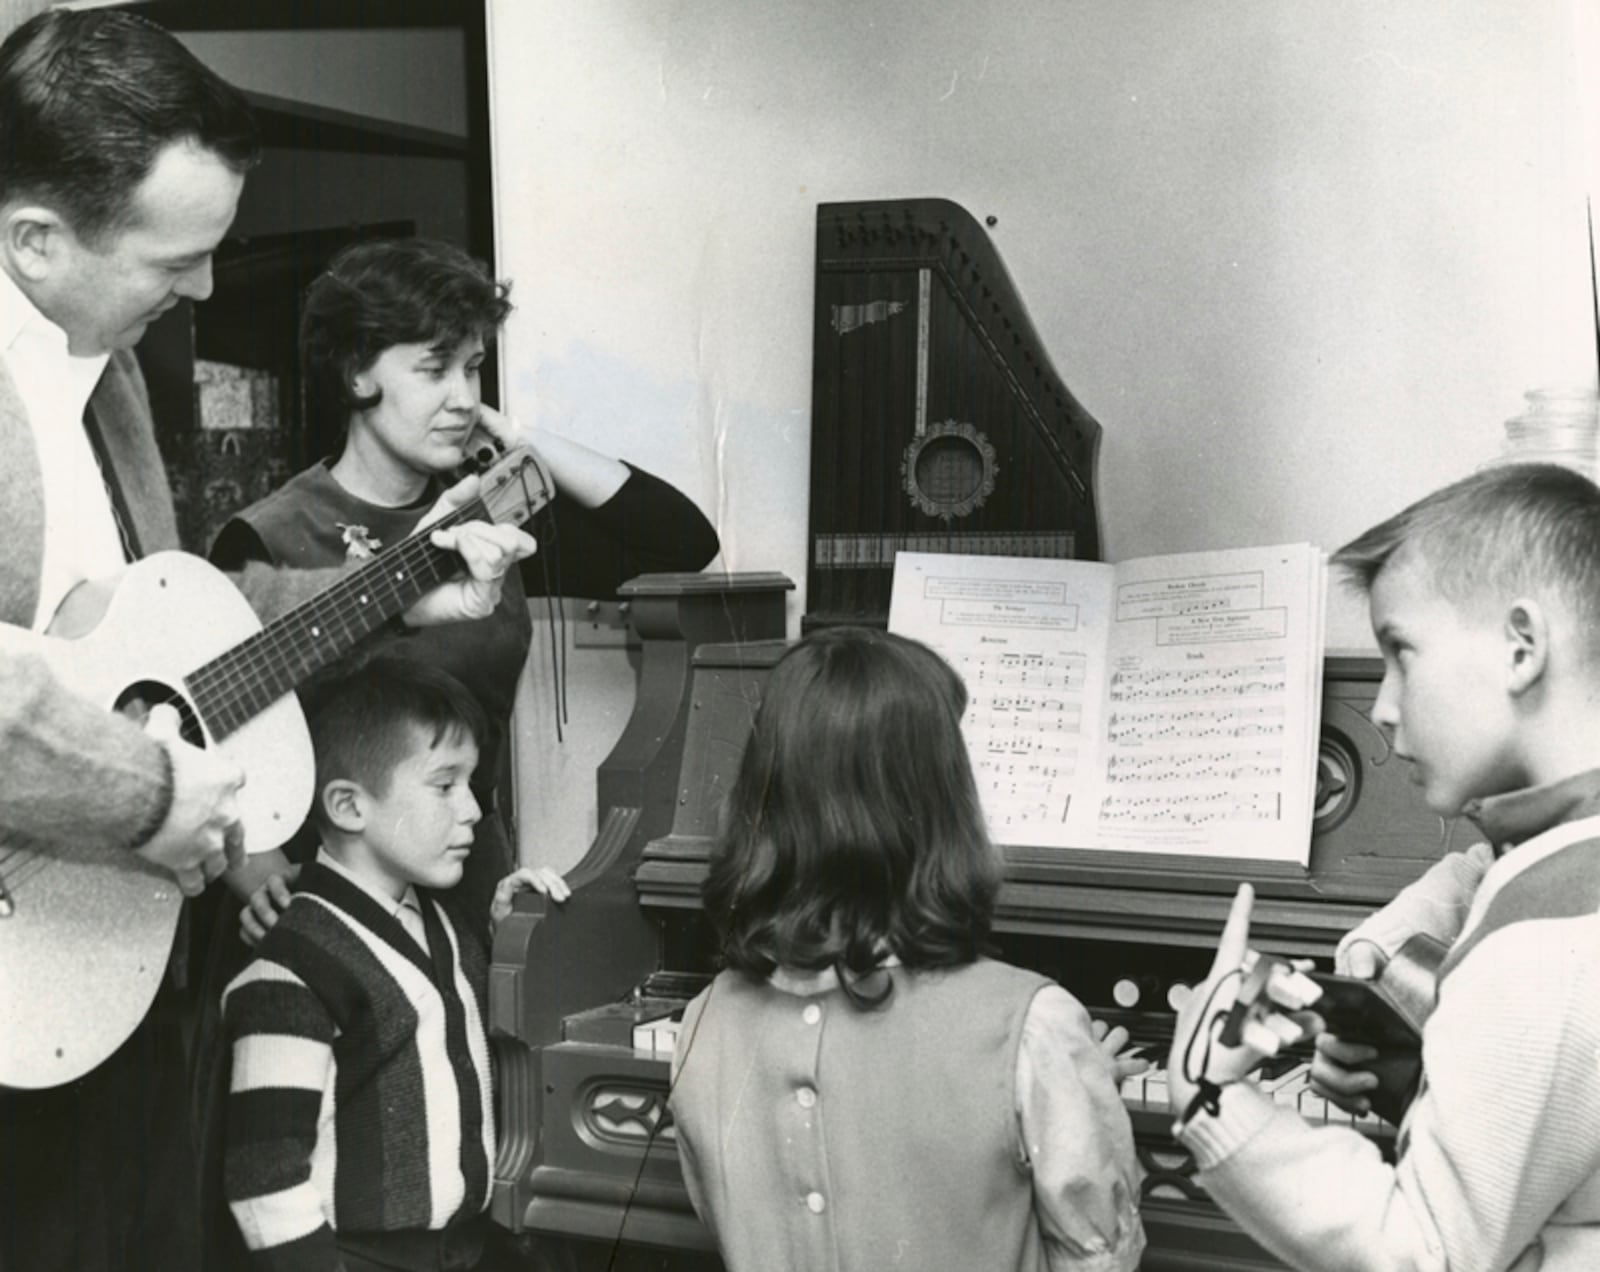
[(806, 1096), (811, 1014), (815, 1203)]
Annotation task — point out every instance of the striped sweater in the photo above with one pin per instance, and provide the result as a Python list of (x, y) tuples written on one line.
[(360, 1097)]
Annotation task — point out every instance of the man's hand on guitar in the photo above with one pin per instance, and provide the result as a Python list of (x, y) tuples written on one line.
[(486, 550), (201, 836)]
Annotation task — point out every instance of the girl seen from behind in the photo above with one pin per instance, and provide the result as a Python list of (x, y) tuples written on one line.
[(862, 1087)]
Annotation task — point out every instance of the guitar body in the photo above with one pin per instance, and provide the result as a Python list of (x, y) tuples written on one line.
[(84, 950), (85, 944)]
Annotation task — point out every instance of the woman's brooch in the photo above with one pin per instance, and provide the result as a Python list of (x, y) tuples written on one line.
[(359, 543)]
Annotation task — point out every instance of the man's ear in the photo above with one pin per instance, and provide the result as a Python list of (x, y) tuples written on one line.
[(344, 803), (1527, 631), (32, 238)]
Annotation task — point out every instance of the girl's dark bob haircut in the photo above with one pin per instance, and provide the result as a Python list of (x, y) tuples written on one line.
[(854, 828)]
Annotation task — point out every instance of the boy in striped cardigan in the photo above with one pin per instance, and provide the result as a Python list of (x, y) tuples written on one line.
[(360, 1131)]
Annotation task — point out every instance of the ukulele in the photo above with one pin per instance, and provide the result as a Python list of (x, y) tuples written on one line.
[(85, 935)]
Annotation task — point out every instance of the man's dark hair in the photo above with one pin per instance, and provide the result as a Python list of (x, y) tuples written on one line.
[(367, 719), (89, 100), (386, 292)]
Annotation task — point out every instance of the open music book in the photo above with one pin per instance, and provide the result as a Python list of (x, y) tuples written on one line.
[(1167, 704)]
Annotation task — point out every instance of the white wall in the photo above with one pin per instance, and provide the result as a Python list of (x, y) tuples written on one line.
[(1300, 260)]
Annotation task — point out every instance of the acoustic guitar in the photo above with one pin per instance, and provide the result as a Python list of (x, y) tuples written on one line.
[(85, 935)]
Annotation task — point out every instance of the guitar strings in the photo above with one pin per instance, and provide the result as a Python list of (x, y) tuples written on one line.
[(230, 690), (290, 644)]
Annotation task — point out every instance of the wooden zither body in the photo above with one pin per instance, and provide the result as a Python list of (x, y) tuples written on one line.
[(1125, 932), (938, 423)]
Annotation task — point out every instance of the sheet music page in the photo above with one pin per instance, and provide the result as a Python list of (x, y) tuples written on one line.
[(1168, 704), (1029, 638), (1213, 703)]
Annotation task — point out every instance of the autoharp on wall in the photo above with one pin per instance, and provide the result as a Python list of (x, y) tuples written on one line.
[(938, 422)]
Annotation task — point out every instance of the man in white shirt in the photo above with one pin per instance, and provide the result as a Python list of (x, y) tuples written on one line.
[(122, 159)]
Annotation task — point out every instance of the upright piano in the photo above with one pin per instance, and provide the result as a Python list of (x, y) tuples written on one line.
[(938, 424), (589, 1159)]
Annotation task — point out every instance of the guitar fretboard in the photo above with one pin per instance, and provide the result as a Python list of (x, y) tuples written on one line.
[(234, 688)]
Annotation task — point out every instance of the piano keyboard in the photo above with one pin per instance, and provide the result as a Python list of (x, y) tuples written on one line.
[(1288, 1083)]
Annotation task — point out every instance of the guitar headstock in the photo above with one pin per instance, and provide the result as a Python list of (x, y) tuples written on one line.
[(516, 486), (480, 452)]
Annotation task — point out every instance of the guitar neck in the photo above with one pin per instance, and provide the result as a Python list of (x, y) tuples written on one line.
[(234, 688)]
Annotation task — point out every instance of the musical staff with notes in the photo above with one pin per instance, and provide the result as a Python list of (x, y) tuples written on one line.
[(1166, 704), (1158, 724)]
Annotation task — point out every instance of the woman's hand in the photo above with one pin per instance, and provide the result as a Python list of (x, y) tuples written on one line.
[(502, 427), (527, 879), (266, 903), (585, 476), (487, 551)]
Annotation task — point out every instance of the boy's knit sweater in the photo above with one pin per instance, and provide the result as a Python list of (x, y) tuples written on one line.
[(360, 1099), (1499, 1156)]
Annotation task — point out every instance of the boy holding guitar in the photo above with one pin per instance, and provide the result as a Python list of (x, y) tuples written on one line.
[(124, 159), (1485, 600)]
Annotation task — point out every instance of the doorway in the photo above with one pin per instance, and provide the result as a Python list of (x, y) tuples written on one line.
[(375, 121)]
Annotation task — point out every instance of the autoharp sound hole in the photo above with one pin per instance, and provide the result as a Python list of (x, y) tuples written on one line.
[(949, 470)]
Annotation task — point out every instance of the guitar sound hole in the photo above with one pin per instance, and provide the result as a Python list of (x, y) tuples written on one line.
[(136, 700)]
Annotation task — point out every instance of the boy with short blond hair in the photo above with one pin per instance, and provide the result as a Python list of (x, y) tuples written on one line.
[(1485, 600), (360, 1121)]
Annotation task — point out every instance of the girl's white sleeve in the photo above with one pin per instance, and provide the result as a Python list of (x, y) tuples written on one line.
[(1078, 1141)]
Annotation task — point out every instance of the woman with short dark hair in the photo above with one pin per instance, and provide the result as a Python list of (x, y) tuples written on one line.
[(393, 337)]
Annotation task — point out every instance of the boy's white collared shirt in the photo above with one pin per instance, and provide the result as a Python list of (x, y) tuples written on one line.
[(408, 909)]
